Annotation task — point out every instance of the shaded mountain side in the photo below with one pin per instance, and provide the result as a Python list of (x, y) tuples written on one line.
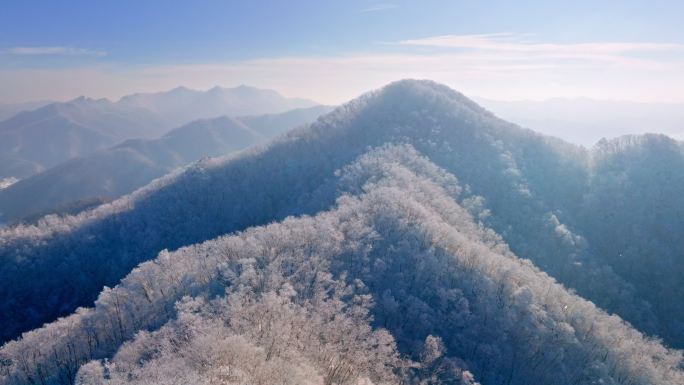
[(127, 166), (632, 219), (449, 302), (13, 167), (528, 188)]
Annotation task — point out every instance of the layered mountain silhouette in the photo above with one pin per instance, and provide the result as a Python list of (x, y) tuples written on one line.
[(11, 109), (59, 131), (182, 105), (32, 141), (127, 166), (437, 240)]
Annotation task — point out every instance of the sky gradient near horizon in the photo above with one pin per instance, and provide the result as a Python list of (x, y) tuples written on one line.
[(330, 52)]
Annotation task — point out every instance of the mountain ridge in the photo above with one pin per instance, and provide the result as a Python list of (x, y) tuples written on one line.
[(536, 193), (84, 125)]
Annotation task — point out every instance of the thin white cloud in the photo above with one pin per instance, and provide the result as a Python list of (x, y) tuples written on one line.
[(507, 41), (55, 50), (379, 7), (521, 44)]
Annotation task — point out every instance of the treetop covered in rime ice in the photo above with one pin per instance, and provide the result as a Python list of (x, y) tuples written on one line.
[(397, 282)]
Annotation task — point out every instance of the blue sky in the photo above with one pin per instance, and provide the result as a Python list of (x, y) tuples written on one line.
[(331, 51)]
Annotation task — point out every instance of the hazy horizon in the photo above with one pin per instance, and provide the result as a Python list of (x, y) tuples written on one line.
[(578, 120), (500, 50), (475, 97)]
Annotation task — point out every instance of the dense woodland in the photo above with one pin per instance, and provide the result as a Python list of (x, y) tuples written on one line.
[(397, 282), (452, 255)]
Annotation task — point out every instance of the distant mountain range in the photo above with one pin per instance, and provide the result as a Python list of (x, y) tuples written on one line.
[(9, 110), (124, 167), (182, 105), (585, 121), (408, 236), (51, 134), (34, 140)]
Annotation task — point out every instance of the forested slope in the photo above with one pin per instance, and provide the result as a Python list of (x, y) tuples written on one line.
[(397, 282)]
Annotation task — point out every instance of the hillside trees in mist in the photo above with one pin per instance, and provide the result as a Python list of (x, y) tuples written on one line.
[(633, 219)]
